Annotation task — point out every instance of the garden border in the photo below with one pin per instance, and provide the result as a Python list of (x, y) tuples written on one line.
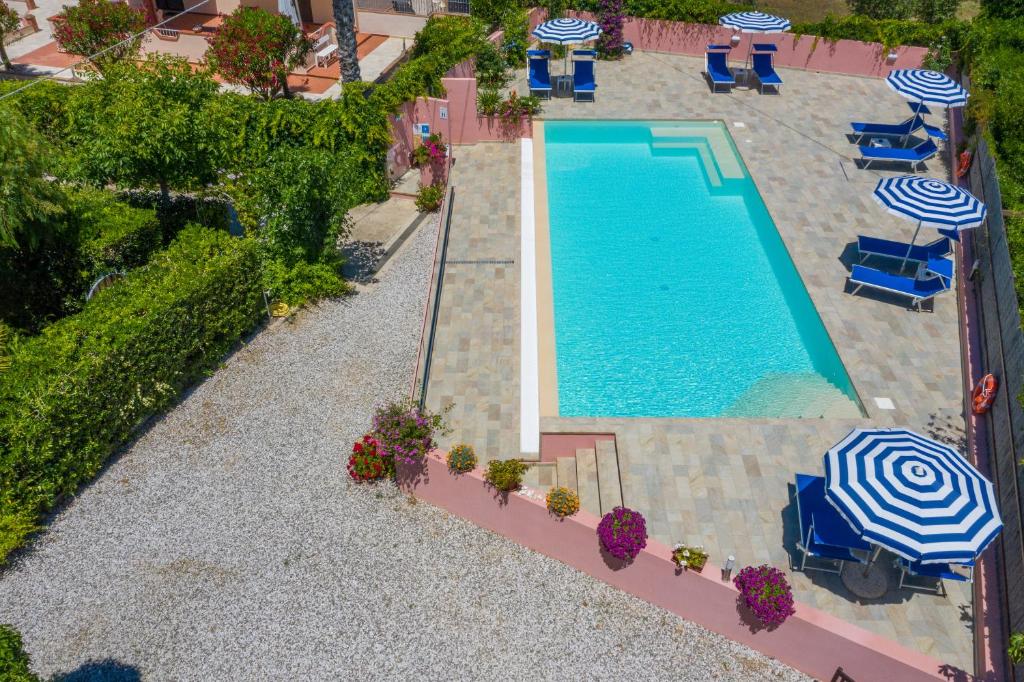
[(812, 641)]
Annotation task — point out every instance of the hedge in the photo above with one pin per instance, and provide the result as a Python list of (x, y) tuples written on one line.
[(14, 662), (114, 235), (76, 392)]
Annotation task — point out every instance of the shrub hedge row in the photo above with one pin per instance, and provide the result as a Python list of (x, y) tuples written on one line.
[(76, 391)]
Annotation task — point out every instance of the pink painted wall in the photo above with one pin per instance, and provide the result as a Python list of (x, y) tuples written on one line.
[(807, 52), (812, 641)]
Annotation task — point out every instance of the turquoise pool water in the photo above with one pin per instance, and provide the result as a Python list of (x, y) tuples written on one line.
[(674, 295)]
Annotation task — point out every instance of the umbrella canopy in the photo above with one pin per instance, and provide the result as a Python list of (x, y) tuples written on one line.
[(927, 87), (911, 495), (566, 31), (931, 202), (754, 22)]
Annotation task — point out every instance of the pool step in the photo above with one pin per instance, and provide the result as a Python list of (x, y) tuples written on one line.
[(594, 474), (715, 136), (793, 396), (710, 169)]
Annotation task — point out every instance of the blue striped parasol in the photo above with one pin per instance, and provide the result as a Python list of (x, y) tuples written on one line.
[(566, 31), (927, 87), (931, 202), (754, 22), (915, 497)]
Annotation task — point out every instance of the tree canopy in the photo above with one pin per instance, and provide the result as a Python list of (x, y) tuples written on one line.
[(145, 125), (93, 26), (257, 49)]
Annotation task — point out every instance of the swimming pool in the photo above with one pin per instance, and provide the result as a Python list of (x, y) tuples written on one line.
[(673, 293)]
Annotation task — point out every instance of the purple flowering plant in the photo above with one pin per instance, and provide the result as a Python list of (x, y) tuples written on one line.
[(623, 533), (611, 19), (405, 433), (766, 592)]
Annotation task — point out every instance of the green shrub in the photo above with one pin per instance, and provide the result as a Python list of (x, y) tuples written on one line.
[(114, 235), (75, 392), (487, 102), (491, 69), (516, 25), (693, 11), (14, 662), (461, 458), (505, 475), (429, 197), (889, 32)]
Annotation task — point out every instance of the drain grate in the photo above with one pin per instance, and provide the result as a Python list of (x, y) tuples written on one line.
[(481, 261)]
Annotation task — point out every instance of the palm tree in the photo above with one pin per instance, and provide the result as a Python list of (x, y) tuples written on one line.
[(345, 31)]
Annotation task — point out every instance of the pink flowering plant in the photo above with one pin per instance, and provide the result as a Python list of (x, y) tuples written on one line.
[(767, 593), (405, 433), (611, 18), (432, 151), (623, 533)]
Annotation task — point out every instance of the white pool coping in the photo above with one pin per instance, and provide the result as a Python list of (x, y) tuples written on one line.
[(529, 384)]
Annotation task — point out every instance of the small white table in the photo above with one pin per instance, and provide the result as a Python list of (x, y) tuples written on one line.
[(563, 85)]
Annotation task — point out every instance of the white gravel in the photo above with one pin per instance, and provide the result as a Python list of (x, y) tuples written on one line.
[(228, 543)]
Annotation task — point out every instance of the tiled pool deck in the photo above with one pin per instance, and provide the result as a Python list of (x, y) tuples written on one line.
[(724, 483)]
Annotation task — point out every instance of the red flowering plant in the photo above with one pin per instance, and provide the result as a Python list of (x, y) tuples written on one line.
[(367, 462), (93, 26), (767, 593), (257, 49), (623, 533)]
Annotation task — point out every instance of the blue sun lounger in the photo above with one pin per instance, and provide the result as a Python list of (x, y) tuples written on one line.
[(861, 130), (917, 290), (583, 84), (716, 66), (823, 533), (915, 156), (540, 76), (919, 253), (940, 572), (764, 69)]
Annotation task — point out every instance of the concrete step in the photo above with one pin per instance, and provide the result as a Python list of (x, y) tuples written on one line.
[(586, 479), (608, 483), (540, 476), (566, 468)]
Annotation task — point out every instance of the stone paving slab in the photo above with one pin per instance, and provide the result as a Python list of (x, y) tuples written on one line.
[(726, 483)]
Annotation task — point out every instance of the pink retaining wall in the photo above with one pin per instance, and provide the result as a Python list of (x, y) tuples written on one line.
[(801, 52), (811, 641)]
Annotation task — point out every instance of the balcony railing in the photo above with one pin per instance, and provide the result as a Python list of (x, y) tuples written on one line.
[(422, 8)]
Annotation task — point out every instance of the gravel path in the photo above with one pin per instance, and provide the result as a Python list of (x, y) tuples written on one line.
[(228, 543)]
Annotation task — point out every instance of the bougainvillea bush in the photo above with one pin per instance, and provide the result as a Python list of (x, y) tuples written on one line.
[(623, 533), (367, 463), (766, 592), (610, 17), (257, 49), (405, 433), (432, 151)]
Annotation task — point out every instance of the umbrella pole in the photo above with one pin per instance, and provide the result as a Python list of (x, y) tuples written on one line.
[(911, 247), (872, 559), (917, 112)]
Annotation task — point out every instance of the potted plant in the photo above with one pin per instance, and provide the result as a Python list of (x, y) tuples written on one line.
[(367, 461), (623, 533), (690, 558), (461, 458), (767, 593), (563, 501), (505, 475)]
